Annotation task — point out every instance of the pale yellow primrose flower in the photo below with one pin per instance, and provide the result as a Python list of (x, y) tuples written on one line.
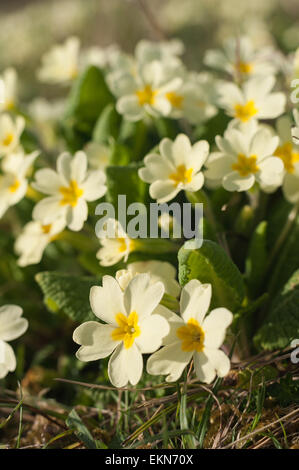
[(133, 326), (177, 168), (159, 271), (33, 240), (253, 100), (98, 155), (165, 52), (195, 335), (116, 247), (69, 188), (13, 182), (240, 59), (102, 57), (247, 155), (11, 327), (296, 64), (61, 63), (145, 92), (45, 111), (10, 133), (291, 185), (295, 130), (288, 151), (148, 51), (192, 100), (9, 78)]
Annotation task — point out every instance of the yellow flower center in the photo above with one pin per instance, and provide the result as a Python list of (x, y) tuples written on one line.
[(146, 95), (74, 73), (9, 105), (192, 336), (182, 175), (122, 245), (244, 67), (125, 244), (128, 329), (8, 139), (175, 100), (246, 165), (288, 156), (14, 186), (46, 228), (70, 194), (244, 112)]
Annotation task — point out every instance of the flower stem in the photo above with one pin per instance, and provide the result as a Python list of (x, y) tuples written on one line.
[(189, 441), (155, 245), (78, 240)]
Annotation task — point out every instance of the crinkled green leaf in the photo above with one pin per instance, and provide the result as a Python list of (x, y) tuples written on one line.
[(282, 323), (88, 98), (68, 294), (210, 264)]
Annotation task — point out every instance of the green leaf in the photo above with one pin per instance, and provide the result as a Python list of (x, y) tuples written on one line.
[(210, 264), (67, 294), (257, 259), (250, 379), (125, 180), (88, 97), (209, 232), (107, 125), (286, 391), (287, 260), (247, 311), (207, 130), (282, 323), (74, 421)]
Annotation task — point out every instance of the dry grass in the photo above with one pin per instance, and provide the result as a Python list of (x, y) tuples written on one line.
[(243, 413)]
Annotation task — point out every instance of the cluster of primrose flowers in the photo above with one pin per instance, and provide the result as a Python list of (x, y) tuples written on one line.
[(136, 323), (150, 84)]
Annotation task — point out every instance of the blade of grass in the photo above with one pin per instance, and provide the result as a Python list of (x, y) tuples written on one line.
[(20, 419), (204, 422), (59, 436), (8, 419)]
